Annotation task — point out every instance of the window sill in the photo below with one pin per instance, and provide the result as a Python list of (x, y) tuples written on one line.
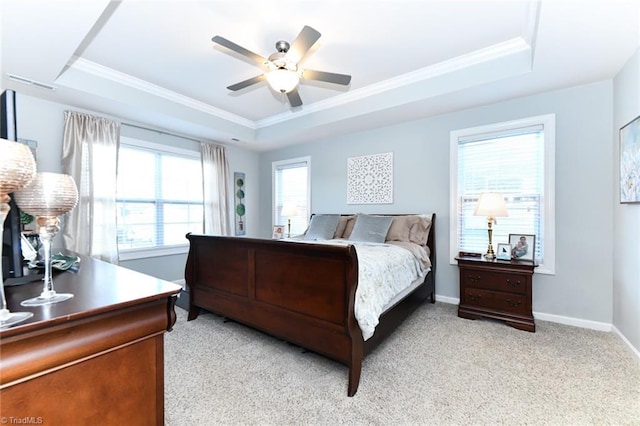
[(133, 254)]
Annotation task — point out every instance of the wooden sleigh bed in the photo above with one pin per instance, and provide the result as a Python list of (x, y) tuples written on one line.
[(302, 293)]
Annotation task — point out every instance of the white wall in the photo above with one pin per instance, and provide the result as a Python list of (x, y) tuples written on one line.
[(586, 285), (43, 121), (626, 217), (582, 286)]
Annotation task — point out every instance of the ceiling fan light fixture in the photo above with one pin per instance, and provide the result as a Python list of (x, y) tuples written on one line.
[(282, 71), (283, 80)]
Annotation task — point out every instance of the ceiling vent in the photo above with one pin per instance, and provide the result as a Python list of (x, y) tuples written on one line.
[(30, 82)]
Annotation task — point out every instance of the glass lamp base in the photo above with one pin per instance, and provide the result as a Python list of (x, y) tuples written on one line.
[(8, 319), (47, 298)]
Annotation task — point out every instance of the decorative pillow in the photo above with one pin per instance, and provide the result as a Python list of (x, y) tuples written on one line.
[(401, 228), (342, 224), (348, 229), (322, 227), (420, 230), (370, 229)]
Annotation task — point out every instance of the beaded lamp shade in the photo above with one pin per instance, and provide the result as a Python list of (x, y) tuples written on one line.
[(48, 194), (17, 166)]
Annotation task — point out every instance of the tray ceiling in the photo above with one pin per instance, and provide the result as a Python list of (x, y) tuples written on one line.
[(153, 62)]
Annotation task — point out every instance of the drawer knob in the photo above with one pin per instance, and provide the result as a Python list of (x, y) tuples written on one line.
[(512, 283), (514, 304), (471, 278), (474, 297)]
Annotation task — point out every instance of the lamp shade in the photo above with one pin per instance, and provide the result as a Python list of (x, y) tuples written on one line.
[(17, 166), (491, 204), (289, 209), (283, 80), (48, 194)]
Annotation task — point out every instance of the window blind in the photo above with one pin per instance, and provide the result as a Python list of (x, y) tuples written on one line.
[(291, 186), (159, 197), (510, 162)]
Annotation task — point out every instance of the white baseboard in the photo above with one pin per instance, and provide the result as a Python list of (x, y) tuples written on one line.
[(447, 299), (627, 342), (576, 322)]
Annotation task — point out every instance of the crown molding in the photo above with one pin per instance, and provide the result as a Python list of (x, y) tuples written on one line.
[(532, 20), (514, 46), (89, 67)]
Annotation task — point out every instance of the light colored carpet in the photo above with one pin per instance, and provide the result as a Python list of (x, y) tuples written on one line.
[(436, 369)]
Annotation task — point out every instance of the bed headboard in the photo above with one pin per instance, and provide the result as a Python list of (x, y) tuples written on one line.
[(430, 243)]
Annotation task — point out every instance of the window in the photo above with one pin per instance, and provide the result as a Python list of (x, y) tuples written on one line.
[(159, 198), (291, 183), (516, 159)]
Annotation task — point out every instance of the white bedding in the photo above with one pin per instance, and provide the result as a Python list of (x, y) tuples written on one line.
[(384, 271)]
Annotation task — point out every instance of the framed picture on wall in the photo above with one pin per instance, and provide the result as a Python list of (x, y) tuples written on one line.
[(239, 208), (630, 162)]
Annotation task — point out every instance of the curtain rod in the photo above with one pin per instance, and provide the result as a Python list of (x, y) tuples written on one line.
[(161, 132)]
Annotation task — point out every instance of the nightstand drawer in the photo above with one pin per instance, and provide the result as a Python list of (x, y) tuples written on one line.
[(505, 302), (496, 289), (497, 281)]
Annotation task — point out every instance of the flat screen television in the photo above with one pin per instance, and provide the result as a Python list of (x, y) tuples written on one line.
[(11, 248)]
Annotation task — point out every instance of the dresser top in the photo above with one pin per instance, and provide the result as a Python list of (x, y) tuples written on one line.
[(96, 286)]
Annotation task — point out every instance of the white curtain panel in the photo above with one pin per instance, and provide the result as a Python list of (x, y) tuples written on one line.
[(215, 181), (90, 155)]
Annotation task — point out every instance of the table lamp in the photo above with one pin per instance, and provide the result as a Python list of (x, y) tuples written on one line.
[(289, 210), (17, 168), (48, 196), (492, 205)]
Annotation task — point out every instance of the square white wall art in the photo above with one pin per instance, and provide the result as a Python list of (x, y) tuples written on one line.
[(370, 179)]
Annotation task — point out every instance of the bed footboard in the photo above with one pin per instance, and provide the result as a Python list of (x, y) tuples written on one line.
[(302, 293)]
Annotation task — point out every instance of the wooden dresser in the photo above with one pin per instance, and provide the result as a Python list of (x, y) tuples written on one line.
[(496, 289), (97, 358)]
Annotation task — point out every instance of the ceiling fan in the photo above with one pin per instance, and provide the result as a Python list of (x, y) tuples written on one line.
[(283, 72)]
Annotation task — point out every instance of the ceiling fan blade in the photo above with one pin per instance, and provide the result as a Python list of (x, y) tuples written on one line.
[(241, 50), (301, 45), (329, 77), (246, 83), (294, 98)]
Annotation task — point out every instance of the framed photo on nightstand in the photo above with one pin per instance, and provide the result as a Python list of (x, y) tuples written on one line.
[(504, 252), (523, 246), (278, 232)]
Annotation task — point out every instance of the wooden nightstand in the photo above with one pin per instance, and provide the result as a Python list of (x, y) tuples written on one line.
[(498, 289)]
